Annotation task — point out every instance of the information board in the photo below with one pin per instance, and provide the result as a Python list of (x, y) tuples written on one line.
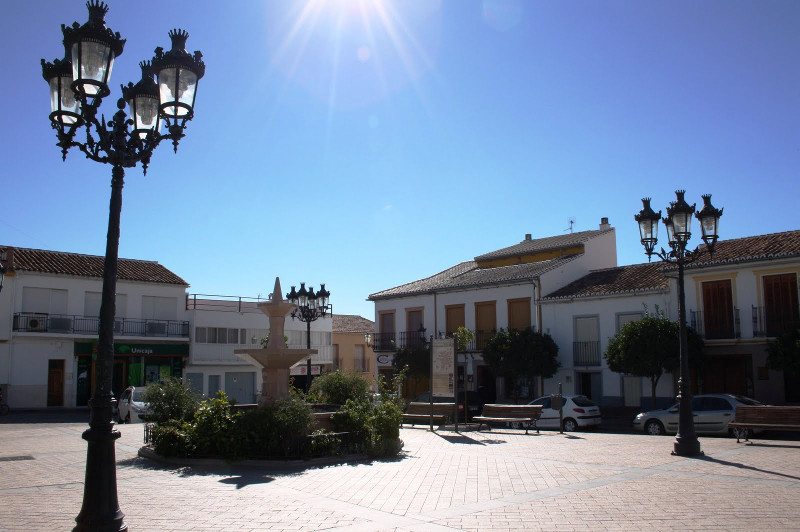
[(443, 367)]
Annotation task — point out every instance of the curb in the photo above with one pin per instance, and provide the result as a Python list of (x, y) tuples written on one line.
[(272, 465)]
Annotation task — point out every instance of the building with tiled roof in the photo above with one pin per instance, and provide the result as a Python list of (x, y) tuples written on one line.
[(352, 346), (74, 264), (737, 299), (499, 289)]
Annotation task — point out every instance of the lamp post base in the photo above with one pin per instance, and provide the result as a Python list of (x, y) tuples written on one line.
[(686, 447)]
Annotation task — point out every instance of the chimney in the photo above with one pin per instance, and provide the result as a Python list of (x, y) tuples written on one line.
[(604, 225), (527, 236)]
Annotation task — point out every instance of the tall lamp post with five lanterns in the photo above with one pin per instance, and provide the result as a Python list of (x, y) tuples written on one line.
[(159, 110), (678, 223), (309, 307)]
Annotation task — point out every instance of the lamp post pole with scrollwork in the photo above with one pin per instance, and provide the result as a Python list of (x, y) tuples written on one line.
[(309, 307), (159, 110), (678, 223)]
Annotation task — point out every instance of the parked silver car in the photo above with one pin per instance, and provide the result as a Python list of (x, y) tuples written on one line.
[(712, 413)]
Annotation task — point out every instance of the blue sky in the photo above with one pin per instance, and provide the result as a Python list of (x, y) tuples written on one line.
[(369, 143)]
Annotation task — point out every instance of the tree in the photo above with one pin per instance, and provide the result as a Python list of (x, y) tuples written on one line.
[(650, 347), (783, 353), (522, 353), (417, 359)]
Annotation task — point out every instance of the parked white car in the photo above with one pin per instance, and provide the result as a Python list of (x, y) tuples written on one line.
[(579, 411), (130, 407), (712, 413)]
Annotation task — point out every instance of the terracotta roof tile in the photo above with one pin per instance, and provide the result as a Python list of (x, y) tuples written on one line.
[(62, 263), (350, 323), (468, 275), (541, 244), (751, 248), (620, 280)]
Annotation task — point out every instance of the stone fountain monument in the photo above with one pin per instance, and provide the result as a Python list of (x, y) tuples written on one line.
[(275, 359)]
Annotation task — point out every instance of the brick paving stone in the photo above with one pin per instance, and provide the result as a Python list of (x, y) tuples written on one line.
[(499, 480)]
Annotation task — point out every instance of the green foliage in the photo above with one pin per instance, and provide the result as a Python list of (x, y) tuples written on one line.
[(293, 419), (463, 338), (354, 417), (416, 360), (650, 347), (214, 426), (171, 400), (256, 434), (173, 439), (265, 340), (522, 353), (783, 353), (385, 419), (325, 443), (338, 387)]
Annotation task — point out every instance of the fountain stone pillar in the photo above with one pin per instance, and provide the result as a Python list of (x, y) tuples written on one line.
[(275, 359)]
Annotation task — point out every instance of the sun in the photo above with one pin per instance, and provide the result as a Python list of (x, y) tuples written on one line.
[(351, 53)]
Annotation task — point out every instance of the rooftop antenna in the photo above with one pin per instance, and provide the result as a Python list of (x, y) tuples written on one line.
[(571, 223)]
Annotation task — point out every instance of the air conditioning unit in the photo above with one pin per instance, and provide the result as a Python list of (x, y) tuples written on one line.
[(60, 324), (36, 323), (156, 329)]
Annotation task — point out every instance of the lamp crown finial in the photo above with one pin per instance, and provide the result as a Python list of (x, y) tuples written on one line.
[(178, 37), (97, 12)]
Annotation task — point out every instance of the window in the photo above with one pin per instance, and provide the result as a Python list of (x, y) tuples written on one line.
[(485, 322), (519, 314), (44, 300), (221, 335), (361, 363), (718, 312), (200, 335), (586, 347), (627, 317), (385, 338), (93, 300), (336, 359), (454, 318), (780, 303), (159, 308)]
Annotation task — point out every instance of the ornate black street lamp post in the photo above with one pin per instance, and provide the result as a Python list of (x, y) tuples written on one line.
[(158, 111), (678, 223), (309, 307)]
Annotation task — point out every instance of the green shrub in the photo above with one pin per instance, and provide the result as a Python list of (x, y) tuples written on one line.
[(293, 420), (385, 448), (386, 419), (325, 443), (338, 387), (173, 439), (214, 427), (256, 433), (171, 399)]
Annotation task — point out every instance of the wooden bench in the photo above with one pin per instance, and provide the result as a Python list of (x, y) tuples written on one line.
[(509, 414), (420, 413), (764, 417)]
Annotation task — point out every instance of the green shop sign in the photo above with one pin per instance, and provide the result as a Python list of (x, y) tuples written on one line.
[(134, 350)]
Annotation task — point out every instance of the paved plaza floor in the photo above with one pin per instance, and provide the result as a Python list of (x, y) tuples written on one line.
[(499, 480)]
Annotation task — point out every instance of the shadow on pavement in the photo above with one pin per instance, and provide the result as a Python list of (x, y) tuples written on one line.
[(459, 438), (248, 479), (742, 466)]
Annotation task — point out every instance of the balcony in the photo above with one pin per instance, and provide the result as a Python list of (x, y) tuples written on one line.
[(586, 353), (404, 339), (61, 324), (713, 324), (769, 322)]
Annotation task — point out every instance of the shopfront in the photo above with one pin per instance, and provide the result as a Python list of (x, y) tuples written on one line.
[(135, 364)]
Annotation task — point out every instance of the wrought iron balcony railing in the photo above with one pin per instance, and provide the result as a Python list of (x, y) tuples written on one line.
[(768, 322), (713, 324), (63, 324), (586, 353)]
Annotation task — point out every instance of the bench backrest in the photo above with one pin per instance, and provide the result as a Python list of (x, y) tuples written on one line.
[(439, 409), (531, 411), (781, 415)]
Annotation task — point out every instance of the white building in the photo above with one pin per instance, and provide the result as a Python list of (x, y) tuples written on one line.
[(49, 309), (220, 325), (500, 289)]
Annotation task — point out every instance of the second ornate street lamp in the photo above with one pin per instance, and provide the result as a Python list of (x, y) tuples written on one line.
[(309, 307), (78, 83), (678, 223)]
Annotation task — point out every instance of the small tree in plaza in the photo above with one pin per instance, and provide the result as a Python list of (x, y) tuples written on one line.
[(171, 399), (337, 387), (783, 353), (415, 362), (522, 354), (650, 347)]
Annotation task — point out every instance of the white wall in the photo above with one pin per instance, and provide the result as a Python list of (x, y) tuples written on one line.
[(558, 322)]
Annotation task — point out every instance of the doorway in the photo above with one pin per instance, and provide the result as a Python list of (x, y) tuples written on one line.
[(588, 384), (55, 383)]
